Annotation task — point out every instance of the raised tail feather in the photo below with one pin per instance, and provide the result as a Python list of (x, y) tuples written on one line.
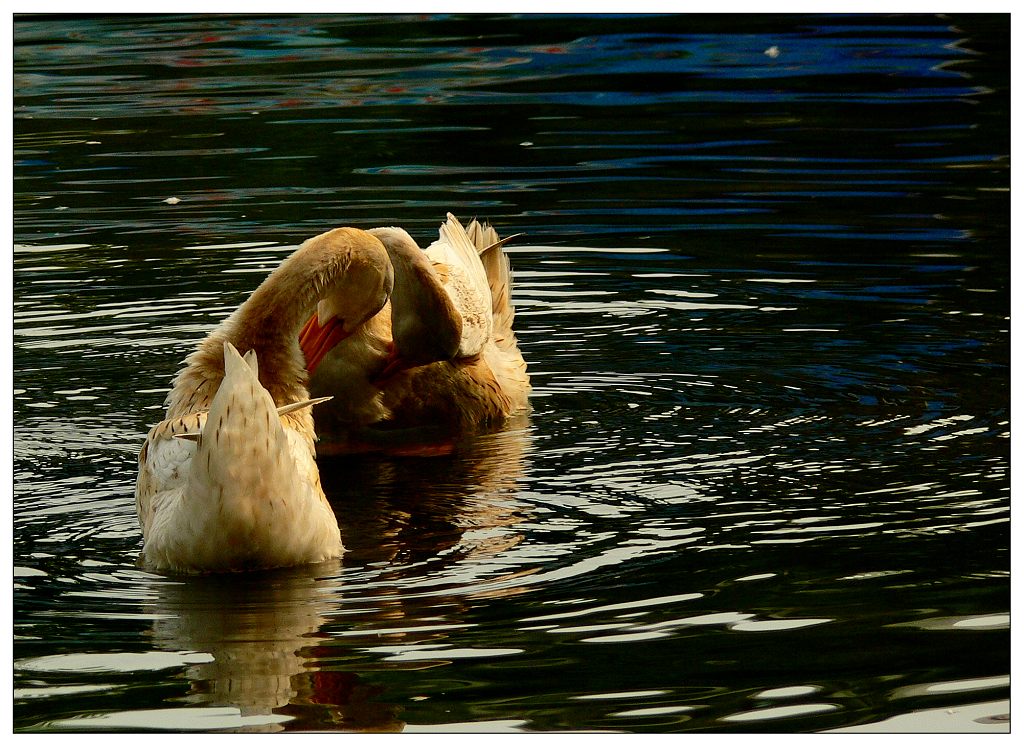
[(499, 279)]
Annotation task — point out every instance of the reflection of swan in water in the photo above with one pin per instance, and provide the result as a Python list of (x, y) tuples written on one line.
[(410, 508), (258, 630), (262, 633), (278, 641)]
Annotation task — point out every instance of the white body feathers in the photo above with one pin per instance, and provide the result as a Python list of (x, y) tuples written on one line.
[(240, 490)]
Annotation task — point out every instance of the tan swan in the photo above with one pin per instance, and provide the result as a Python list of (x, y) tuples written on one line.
[(228, 481), (440, 359)]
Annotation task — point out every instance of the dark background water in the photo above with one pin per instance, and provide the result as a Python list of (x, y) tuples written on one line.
[(764, 296)]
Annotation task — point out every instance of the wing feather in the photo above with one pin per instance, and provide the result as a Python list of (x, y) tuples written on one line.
[(455, 256)]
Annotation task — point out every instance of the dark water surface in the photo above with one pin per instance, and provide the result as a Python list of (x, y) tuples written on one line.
[(764, 296)]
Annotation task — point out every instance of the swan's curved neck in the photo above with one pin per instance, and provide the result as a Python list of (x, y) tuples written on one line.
[(270, 319), (425, 323), (275, 312)]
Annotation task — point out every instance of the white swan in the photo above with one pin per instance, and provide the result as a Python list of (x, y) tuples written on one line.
[(440, 359), (228, 480)]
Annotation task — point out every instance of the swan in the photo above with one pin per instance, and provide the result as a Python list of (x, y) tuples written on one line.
[(228, 480), (440, 359)]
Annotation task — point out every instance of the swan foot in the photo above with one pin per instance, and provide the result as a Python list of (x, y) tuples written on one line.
[(424, 450)]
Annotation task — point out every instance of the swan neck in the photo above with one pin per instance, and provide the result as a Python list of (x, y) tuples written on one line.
[(269, 321)]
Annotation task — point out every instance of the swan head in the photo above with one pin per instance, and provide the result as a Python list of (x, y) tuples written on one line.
[(357, 281)]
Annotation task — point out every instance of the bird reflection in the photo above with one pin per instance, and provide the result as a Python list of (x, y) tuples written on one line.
[(412, 508), (257, 627), (278, 640)]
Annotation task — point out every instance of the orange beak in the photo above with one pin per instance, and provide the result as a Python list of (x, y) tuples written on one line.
[(317, 341)]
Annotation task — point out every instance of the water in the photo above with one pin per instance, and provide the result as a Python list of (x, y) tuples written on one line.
[(764, 296)]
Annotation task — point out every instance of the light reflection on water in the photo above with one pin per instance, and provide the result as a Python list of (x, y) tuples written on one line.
[(765, 482)]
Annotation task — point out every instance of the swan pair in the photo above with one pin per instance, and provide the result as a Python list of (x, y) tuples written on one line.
[(390, 341)]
